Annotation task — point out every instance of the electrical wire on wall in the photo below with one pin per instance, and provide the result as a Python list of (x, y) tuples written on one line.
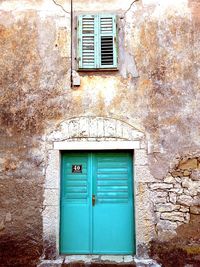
[(71, 76)]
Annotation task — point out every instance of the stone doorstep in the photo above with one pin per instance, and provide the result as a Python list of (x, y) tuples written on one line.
[(98, 261)]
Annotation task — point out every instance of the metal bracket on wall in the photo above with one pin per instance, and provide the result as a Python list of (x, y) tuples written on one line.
[(76, 79)]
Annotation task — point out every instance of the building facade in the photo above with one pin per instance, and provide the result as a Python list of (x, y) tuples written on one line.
[(100, 98)]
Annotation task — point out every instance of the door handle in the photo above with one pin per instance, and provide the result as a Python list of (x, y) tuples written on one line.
[(93, 200)]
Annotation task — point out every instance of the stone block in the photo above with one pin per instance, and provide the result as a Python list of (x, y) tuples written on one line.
[(184, 209), (145, 230), (173, 216), (80, 258), (166, 225), (109, 128), (161, 185), (52, 179), (145, 262), (55, 136), (186, 183), (128, 259), (111, 258), (143, 145), (73, 128), (140, 157), (197, 201), (165, 235), (51, 263), (186, 173), (188, 164), (51, 197), (142, 174), (195, 175), (136, 135), (159, 194), (195, 210), (187, 217), (177, 173), (157, 217), (64, 129), (50, 221), (93, 126), (172, 197), (170, 180), (127, 133), (186, 192), (178, 180), (119, 129), (60, 133), (177, 185), (143, 203), (160, 200), (185, 200), (100, 128), (178, 191), (84, 127), (166, 207), (50, 247), (192, 186)]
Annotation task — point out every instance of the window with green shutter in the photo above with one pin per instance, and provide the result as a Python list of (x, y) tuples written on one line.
[(97, 43)]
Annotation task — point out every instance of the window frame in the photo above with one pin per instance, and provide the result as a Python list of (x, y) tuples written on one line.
[(98, 66)]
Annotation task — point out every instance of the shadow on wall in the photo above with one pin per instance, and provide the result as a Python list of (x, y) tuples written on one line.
[(19, 250)]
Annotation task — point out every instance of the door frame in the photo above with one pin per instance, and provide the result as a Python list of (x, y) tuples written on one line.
[(51, 215)]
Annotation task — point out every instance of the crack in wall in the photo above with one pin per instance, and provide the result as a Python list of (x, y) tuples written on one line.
[(61, 7), (57, 4), (130, 7)]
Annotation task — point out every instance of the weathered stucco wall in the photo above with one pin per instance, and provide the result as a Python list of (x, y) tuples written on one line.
[(156, 90)]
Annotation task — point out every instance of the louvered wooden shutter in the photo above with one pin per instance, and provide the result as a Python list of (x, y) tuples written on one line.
[(87, 32), (107, 36), (97, 46)]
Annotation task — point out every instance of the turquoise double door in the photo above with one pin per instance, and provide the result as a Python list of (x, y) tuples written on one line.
[(97, 211)]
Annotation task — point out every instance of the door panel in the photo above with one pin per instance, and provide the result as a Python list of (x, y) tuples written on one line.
[(113, 211), (107, 226), (75, 205)]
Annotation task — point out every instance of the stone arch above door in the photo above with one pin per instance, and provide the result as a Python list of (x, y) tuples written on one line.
[(95, 129)]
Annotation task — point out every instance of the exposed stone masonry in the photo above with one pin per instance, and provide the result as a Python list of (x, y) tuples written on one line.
[(177, 197)]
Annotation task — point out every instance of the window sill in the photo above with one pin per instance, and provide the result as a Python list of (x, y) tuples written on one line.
[(97, 70)]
